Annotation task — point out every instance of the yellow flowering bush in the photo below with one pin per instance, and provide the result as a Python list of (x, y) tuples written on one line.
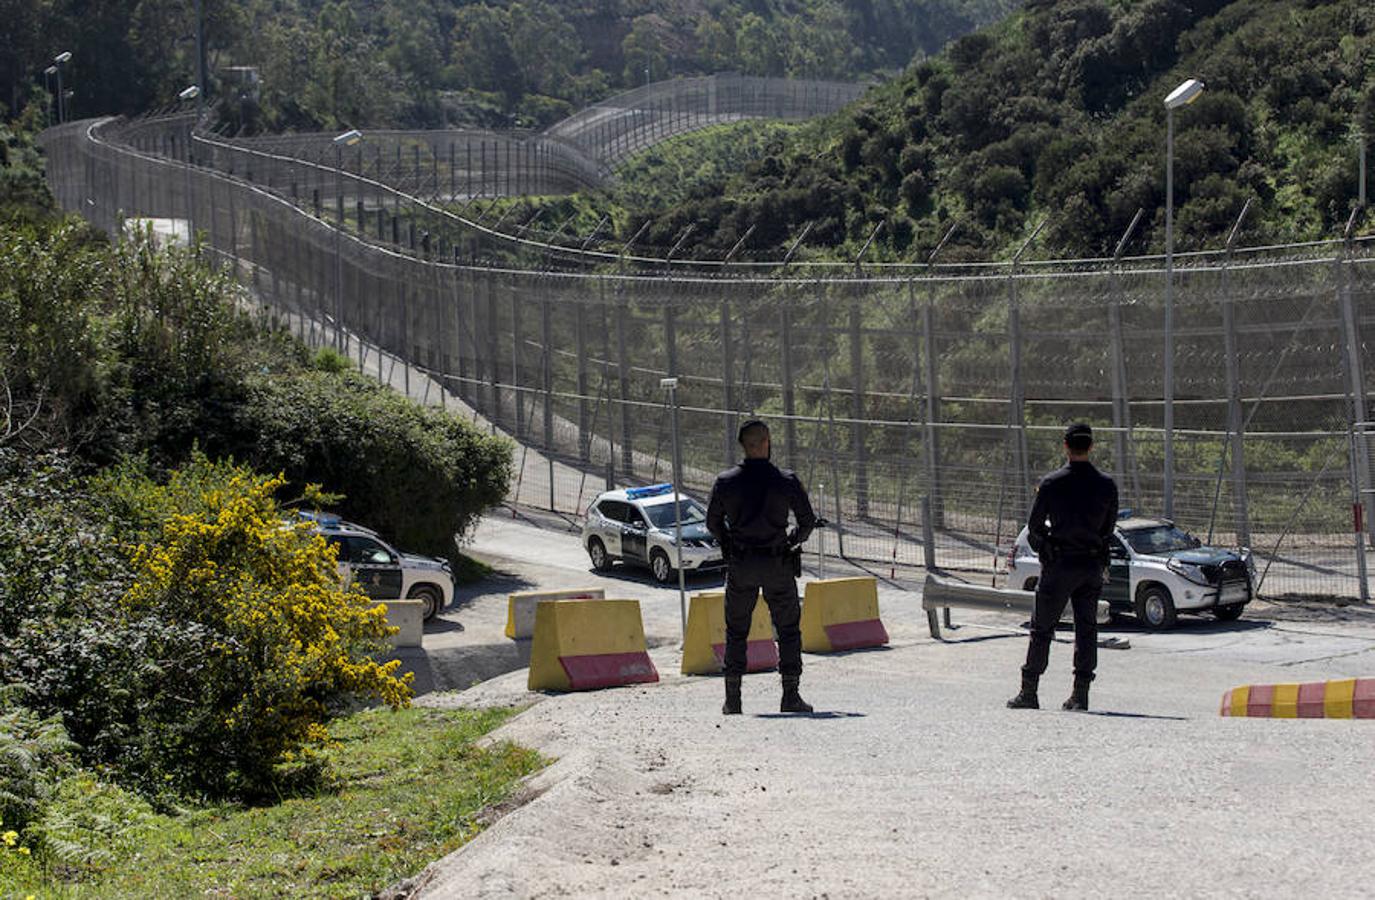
[(281, 642)]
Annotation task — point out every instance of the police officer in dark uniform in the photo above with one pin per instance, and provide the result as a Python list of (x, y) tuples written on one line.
[(748, 515), (1071, 522)]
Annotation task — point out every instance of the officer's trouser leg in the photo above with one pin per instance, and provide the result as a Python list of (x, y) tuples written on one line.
[(742, 592), (780, 592), (1052, 593), (1085, 596)]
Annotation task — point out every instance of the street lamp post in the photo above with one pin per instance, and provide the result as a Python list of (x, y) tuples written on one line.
[(347, 139), (59, 61), (671, 385), (1183, 95)]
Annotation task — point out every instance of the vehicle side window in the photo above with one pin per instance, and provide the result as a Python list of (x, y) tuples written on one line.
[(634, 518), (1116, 549), (612, 509), (367, 552)]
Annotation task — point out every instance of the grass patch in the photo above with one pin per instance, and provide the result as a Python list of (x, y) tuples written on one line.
[(407, 787), (471, 571)]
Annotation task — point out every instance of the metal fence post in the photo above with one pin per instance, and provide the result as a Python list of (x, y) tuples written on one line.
[(1121, 409), (1236, 425), (789, 397), (623, 377), (728, 386), (584, 411), (858, 436)]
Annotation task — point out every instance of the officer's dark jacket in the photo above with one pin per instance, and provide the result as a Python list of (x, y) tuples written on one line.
[(749, 506), (1080, 504)]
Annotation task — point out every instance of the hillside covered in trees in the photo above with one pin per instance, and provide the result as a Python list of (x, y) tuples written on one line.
[(433, 62), (1057, 112)]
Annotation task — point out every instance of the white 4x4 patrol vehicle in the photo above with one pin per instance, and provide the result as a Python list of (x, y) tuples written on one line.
[(1156, 571), (383, 572), (636, 526)]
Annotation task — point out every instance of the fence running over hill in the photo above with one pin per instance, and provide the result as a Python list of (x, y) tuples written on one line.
[(951, 383)]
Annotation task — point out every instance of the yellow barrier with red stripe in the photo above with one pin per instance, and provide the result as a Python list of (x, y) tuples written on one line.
[(704, 648), (1349, 698), (582, 645), (520, 608), (841, 614)]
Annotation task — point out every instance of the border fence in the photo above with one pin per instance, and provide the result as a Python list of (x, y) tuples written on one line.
[(889, 388)]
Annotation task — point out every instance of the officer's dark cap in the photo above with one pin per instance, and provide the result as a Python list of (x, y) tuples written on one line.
[(1079, 434), (748, 427)]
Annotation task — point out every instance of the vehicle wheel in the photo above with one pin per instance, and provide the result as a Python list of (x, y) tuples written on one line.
[(661, 567), (1229, 613), (1030, 584), (1155, 608), (432, 597), (601, 560)]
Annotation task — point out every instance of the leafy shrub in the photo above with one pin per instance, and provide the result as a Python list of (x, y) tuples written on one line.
[(89, 827), (213, 658), (419, 476), (280, 639), (35, 755)]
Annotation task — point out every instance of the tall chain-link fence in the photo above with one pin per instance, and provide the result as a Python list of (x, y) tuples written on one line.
[(950, 384)]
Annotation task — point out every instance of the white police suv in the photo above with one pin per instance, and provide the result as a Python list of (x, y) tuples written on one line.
[(383, 572), (1156, 571), (635, 526)]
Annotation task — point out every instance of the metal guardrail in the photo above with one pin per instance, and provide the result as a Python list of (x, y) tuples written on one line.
[(943, 593)]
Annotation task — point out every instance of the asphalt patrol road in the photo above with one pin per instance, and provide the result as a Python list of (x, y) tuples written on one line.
[(912, 779)]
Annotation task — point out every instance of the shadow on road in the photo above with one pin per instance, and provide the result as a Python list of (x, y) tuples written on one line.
[(1127, 715), (695, 581), (459, 668), (821, 714)]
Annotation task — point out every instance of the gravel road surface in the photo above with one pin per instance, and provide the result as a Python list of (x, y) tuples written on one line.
[(912, 779)]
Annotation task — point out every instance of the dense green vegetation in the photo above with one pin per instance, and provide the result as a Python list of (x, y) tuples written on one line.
[(422, 64), (1057, 112), (168, 637), (405, 788)]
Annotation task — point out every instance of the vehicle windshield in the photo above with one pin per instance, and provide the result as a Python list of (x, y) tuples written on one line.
[(1160, 539), (661, 514)]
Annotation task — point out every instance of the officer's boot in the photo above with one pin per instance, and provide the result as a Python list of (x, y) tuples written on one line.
[(1027, 698), (732, 705), (1078, 700), (792, 700)]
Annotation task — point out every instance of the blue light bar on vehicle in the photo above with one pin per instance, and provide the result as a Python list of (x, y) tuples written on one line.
[(1125, 513), (653, 490), (323, 519)]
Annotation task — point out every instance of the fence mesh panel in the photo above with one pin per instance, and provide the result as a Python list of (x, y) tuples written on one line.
[(947, 383)]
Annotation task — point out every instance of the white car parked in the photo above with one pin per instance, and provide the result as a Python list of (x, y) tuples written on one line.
[(636, 526), (1157, 571), (383, 572)]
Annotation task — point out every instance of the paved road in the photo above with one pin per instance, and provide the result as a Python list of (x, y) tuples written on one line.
[(913, 779)]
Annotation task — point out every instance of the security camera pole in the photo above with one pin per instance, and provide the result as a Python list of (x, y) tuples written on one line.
[(671, 385)]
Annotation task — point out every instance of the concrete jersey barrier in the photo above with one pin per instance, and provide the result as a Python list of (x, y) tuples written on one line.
[(582, 645), (1348, 698), (520, 608), (409, 617), (704, 648), (841, 614)]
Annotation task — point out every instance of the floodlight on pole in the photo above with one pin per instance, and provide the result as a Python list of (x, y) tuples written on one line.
[(348, 138), (1183, 95), (190, 93), (671, 385), (59, 61)]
